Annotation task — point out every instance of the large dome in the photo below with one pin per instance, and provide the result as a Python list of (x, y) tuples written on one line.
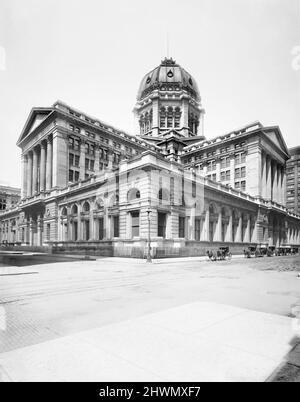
[(168, 76)]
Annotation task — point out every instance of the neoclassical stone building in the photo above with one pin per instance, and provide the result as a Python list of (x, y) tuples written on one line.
[(89, 186)]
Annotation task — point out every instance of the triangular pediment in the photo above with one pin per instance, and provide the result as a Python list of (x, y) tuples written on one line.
[(35, 118), (274, 134)]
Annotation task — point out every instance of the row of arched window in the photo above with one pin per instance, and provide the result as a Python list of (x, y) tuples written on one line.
[(146, 122), (169, 117)]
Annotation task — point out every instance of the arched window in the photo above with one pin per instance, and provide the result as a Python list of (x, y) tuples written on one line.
[(170, 117), (133, 194), (86, 207), (162, 117), (64, 212), (177, 117), (74, 210)]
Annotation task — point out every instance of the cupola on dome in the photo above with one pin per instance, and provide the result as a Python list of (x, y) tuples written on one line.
[(168, 76)]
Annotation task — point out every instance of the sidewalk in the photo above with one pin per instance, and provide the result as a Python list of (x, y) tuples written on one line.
[(163, 260), (194, 342)]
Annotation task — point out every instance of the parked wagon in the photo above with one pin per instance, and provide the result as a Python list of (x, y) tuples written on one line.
[(224, 253)]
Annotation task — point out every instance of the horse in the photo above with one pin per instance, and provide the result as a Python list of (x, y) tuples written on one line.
[(211, 255)]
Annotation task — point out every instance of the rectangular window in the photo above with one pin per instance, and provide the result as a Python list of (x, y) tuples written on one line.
[(92, 164), (181, 232), (161, 225), (243, 171), (240, 158), (227, 175), (76, 176), (71, 175), (116, 226), (135, 224), (197, 229), (87, 163), (76, 145), (243, 185), (76, 161), (225, 162), (211, 166), (71, 159), (101, 229), (87, 230), (48, 231)]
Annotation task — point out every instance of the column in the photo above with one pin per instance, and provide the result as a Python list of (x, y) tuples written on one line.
[(24, 176), (35, 172), (238, 238), (281, 190), (275, 182), (43, 167), (283, 186), (206, 226), (49, 165), (247, 238), (29, 174), (263, 175), (268, 178), (191, 232), (218, 231), (229, 229)]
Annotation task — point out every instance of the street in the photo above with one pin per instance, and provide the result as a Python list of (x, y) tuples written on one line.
[(46, 302)]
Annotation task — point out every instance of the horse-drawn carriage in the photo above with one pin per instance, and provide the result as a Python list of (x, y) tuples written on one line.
[(223, 253), (256, 251)]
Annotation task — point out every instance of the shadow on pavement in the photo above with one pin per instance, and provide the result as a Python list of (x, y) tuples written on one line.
[(289, 369)]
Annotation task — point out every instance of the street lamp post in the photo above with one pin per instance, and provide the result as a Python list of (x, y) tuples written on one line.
[(149, 238)]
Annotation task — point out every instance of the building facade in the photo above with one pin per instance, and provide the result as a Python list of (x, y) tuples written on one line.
[(9, 197), (293, 181), (89, 186)]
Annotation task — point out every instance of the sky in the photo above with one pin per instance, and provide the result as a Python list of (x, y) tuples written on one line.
[(92, 54)]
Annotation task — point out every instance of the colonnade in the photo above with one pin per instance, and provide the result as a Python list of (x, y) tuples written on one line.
[(273, 179), (37, 165), (222, 225)]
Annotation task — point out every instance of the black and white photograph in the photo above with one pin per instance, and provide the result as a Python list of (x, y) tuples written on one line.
[(149, 194)]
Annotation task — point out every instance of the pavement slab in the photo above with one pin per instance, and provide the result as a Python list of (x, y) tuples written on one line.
[(199, 341)]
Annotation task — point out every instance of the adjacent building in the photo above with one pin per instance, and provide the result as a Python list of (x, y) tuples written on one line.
[(89, 186), (293, 181), (9, 197)]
